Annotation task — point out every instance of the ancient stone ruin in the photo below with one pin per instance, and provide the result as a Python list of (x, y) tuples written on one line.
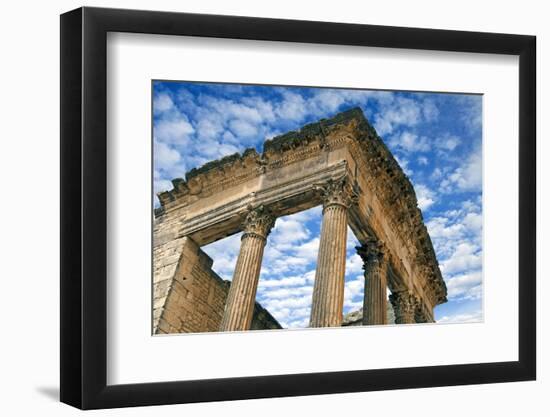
[(339, 163)]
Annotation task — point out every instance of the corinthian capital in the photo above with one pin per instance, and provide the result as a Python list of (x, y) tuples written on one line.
[(258, 222), (338, 192), (373, 250), (404, 305)]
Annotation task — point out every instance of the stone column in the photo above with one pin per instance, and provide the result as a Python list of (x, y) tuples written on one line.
[(421, 315), (239, 306), (328, 289), (404, 305), (375, 266)]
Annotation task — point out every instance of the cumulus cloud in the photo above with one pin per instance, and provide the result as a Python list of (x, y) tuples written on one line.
[(242, 128), (400, 112), (473, 221), (430, 110), (474, 317), (354, 263), (162, 103), (410, 142), (224, 252), (457, 237), (173, 131), (467, 177), (470, 110), (466, 256), (448, 142), (455, 227), (465, 286), (404, 164), (293, 107), (424, 196), (288, 231), (422, 160)]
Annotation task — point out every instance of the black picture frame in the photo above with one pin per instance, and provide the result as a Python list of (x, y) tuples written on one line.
[(84, 207)]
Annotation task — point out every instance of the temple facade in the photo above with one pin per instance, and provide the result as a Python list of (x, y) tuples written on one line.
[(340, 163)]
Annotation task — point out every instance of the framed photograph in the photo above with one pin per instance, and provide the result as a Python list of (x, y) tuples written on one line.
[(259, 208)]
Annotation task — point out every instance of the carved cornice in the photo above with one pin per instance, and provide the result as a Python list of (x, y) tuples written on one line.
[(258, 223), (393, 189)]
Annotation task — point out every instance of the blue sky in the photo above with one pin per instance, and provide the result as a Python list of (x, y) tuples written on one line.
[(436, 138)]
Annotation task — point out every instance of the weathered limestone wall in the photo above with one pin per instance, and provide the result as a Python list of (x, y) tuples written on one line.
[(188, 296)]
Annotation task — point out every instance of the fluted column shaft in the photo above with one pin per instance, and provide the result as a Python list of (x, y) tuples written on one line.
[(404, 306), (375, 265), (239, 306), (328, 289)]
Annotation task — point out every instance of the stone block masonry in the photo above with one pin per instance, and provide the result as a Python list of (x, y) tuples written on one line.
[(188, 296)]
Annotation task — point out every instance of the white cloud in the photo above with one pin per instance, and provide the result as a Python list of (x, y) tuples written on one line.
[(288, 231), (474, 317), (209, 128), (466, 256), (448, 142), (242, 128), (465, 286), (430, 110), (424, 196), (309, 249), (467, 177), (293, 107), (282, 282), (404, 164), (400, 112), (354, 264), (165, 156), (161, 185), (456, 236), (354, 288), (168, 164), (442, 227), (224, 252), (273, 305), (287, 293), (436, 174), (473, 221), (471, 111), (229, 109), (162, 103), (330, 100), (173, 131), (410, 142)]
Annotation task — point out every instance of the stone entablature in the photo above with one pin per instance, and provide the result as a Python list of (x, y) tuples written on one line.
[(292, 174)]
